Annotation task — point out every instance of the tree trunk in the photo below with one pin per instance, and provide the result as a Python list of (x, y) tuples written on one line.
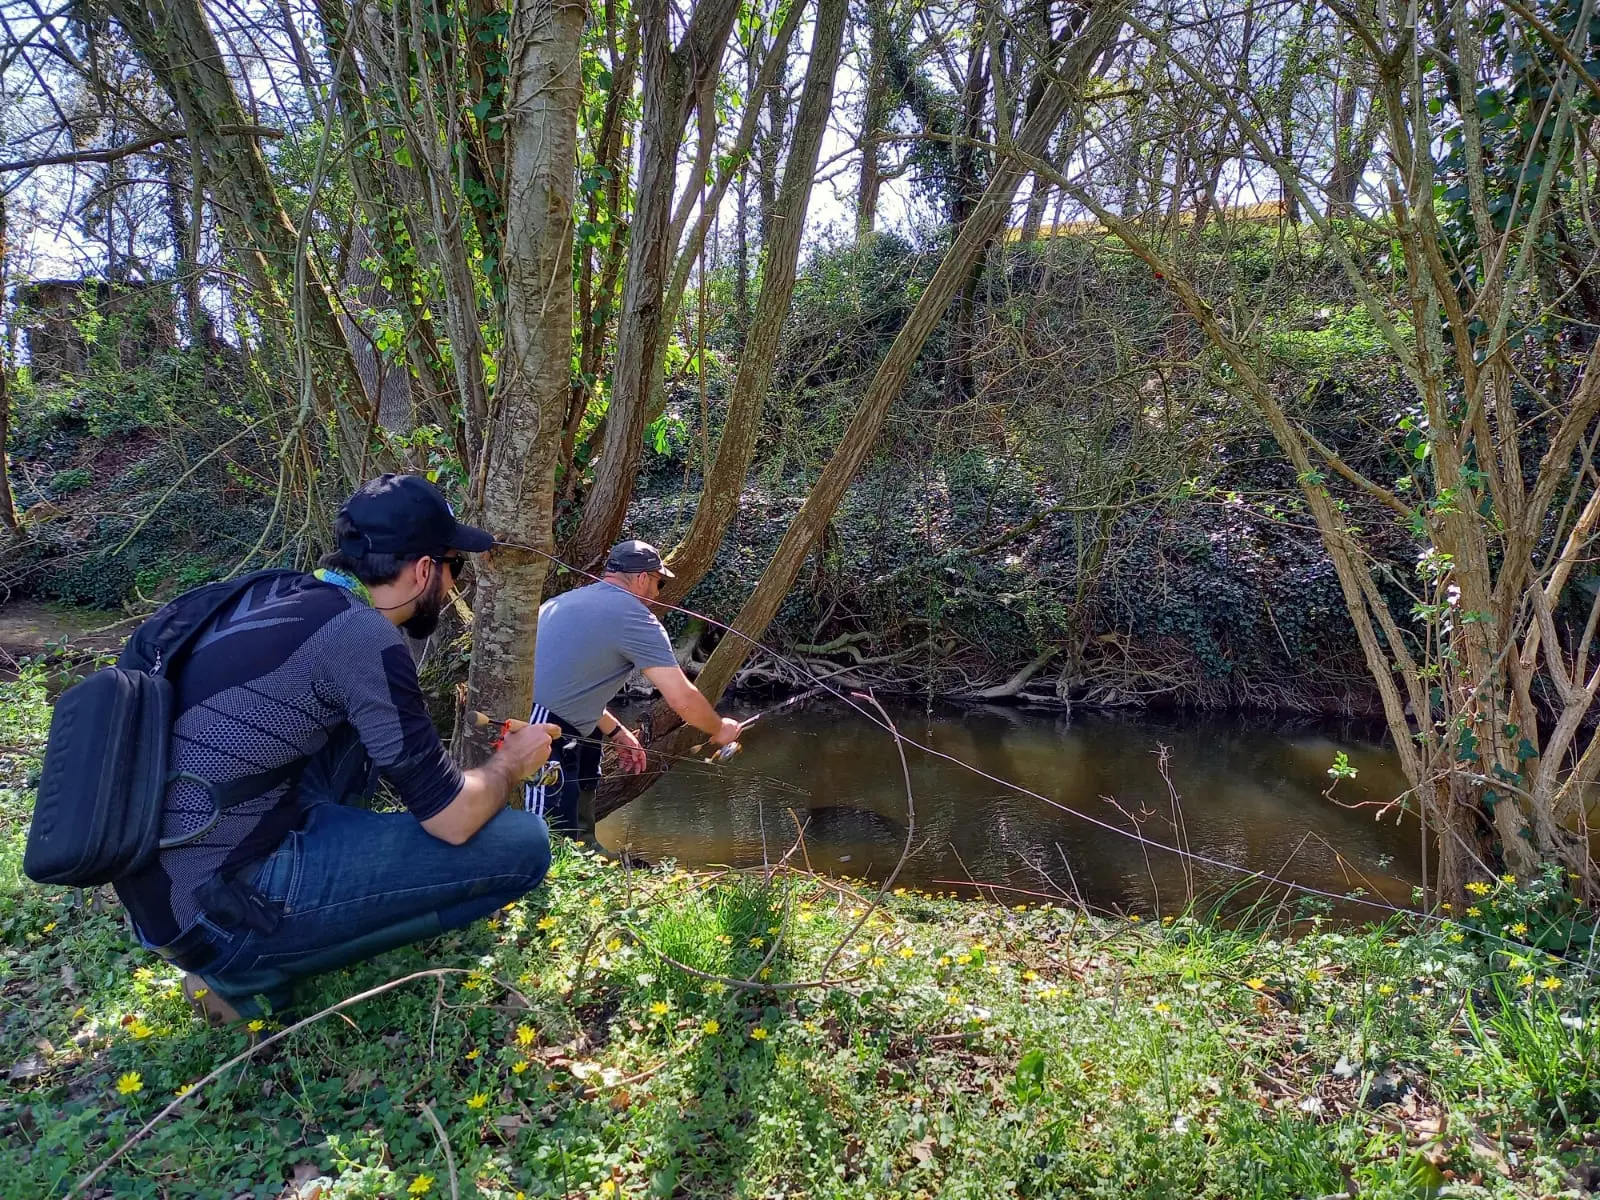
[(391, 219), (1352, 144), (181, 214), (689, 248), (176, 42), (771, 148), (1038, 201), (741, 252), (8, 508), (874, 116), (719, 499), (517, 475), (673, 80), (970, 163), (986, 221)]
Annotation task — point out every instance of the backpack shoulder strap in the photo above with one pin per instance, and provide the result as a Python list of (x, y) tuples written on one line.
[(168, 632)]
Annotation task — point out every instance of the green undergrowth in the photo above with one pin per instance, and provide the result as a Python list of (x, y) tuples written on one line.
[(593, 1040)]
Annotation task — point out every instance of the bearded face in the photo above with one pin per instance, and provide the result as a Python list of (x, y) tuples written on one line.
[(425, 618)]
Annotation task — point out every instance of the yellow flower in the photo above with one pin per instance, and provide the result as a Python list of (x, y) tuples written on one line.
[(478, 1100), (1445, 906), (130, 1083), (518, 1067), (184, 1089), (716, 987), (1509, 880), (1162, 1007), (1314, 975), (877, 960), (597, 902), (526, 1035), (614, 945), (907, 952), (1474, 911), (712, 1026), (1518, 928), (48, 928), (660, 1008), (256, 1026), (1549, 983), (758, 942), (758, 1034), (774, 930), (140, 1030), (805, 918), (766, 973), (1478, 887), (1256, 984), (1386, 989), (545, 922), (963, 959), (201, 993), (1525, 981), (1458, 938), (1030, 975), (473, 1053), (953, 998), (421, 1185), (608, 1187), (1135, 918)]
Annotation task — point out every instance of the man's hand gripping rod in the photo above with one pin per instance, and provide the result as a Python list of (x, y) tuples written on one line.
[(547, 776), (724, 752)]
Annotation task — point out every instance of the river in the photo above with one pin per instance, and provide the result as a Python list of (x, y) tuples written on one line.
[(1248, 794)]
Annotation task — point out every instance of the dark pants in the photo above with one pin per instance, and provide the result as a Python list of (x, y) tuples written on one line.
[(351, 884), (562, 806)]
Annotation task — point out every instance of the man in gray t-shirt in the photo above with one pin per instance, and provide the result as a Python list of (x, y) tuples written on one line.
[(590, 640)]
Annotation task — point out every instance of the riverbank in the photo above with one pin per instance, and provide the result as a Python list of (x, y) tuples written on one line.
[(595, 1040)]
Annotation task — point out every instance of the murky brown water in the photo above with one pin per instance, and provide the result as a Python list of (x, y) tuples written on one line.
[(1250, 794)]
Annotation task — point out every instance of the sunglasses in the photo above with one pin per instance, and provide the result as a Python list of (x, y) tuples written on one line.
[(456, 563)]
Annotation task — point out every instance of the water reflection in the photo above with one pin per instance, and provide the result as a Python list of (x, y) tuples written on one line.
[(1249, 794)]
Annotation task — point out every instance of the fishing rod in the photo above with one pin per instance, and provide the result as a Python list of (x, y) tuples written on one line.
[(551, 774), (728, 749), (1248, 874)]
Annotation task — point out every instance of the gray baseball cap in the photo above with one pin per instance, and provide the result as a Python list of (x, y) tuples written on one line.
[(633, 556)]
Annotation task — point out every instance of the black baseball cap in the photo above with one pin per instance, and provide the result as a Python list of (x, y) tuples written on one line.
[(408, 517), (633, 556)]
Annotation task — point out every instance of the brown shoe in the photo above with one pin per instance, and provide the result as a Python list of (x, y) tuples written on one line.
[(207, 1005)]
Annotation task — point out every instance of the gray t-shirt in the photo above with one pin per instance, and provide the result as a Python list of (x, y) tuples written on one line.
[(589, 640)]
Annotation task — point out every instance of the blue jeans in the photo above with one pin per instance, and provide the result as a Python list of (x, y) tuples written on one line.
[(352, 883)]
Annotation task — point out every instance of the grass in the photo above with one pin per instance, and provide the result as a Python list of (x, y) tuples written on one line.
[(959, 1050)]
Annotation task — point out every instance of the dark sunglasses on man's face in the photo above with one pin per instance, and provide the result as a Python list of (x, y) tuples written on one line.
[(456, 562)]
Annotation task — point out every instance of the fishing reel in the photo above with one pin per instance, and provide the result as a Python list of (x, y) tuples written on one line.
[(723, 753), (549, 776)]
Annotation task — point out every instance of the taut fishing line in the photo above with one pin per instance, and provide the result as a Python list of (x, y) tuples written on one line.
[(819, 685)]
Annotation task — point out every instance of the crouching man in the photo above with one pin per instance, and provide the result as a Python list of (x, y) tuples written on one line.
[(305, 693)]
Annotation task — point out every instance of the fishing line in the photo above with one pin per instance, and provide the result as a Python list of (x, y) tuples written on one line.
[(1247, 873)]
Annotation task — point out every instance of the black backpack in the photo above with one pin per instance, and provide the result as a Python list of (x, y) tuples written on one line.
[(104, 783)]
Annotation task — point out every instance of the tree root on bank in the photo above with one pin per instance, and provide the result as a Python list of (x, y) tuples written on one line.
[(1118, 675)]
